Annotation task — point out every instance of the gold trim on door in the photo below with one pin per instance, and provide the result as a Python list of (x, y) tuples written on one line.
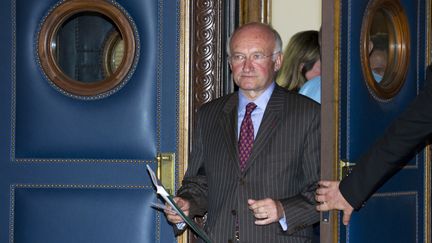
[(184, 90)]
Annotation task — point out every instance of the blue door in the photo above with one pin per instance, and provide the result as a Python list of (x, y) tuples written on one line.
[(400, 210), (73, 168)]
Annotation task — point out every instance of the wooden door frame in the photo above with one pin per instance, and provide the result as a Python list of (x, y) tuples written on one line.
[(330, 60)]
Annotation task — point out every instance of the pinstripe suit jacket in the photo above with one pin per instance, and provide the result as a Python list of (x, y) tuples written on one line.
[(284, 165)]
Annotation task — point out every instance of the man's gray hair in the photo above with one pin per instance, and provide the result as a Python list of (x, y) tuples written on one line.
[(277, 38)]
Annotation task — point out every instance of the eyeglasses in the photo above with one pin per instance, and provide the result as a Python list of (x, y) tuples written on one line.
[(254, 57)]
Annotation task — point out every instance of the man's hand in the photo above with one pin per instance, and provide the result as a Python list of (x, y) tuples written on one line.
[(172, 215), (330, 197), (266, 211)]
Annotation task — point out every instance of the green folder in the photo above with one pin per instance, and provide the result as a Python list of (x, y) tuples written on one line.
[(160, 190)]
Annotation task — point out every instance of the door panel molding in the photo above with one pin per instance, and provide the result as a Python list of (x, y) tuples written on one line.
[(379, 207), (73, 213)]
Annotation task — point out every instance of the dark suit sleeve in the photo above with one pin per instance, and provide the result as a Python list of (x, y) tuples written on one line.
[(392, 151), (300, 210), (194, 186)]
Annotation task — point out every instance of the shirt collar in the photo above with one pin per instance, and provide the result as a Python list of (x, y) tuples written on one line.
[(261, 101)]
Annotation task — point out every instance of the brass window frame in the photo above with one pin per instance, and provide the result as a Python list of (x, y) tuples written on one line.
[(46, 53), (399, 53)]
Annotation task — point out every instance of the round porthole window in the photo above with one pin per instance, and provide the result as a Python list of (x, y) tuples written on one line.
[(385, 45), (87, 49)]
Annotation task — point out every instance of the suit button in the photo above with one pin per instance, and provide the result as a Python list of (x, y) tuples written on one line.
[(300, 227), (242, 181), (234, 212)]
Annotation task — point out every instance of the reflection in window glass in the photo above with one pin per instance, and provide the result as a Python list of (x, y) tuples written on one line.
[(79, 46)]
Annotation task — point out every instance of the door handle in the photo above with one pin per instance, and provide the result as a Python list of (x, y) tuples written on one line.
[(345, 168), (166, 170)]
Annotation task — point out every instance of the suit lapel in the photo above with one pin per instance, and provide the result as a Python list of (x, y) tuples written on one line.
[(228, 124), (269, 124)]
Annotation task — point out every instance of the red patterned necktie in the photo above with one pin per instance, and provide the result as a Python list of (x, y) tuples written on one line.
[(246, 138)]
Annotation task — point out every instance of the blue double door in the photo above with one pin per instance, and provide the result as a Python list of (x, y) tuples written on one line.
[(72, 169)]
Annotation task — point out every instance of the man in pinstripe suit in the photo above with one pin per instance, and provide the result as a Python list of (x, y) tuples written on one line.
[(271, 199)]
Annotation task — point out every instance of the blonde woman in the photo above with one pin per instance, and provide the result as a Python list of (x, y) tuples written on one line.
[(301, 60)]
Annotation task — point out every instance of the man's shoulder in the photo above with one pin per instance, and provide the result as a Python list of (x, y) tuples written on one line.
[(294, 99), (223, 102)]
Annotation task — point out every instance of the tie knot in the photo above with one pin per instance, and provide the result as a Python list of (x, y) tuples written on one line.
[(250, 107)]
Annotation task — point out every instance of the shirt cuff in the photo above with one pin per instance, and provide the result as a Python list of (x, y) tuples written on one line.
[(181, 226), (283, 223)]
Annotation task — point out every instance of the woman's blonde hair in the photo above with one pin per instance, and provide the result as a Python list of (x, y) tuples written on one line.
[(301, 53)]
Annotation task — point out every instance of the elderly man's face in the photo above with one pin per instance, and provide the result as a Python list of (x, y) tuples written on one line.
[(256, 72), (378, 61)]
